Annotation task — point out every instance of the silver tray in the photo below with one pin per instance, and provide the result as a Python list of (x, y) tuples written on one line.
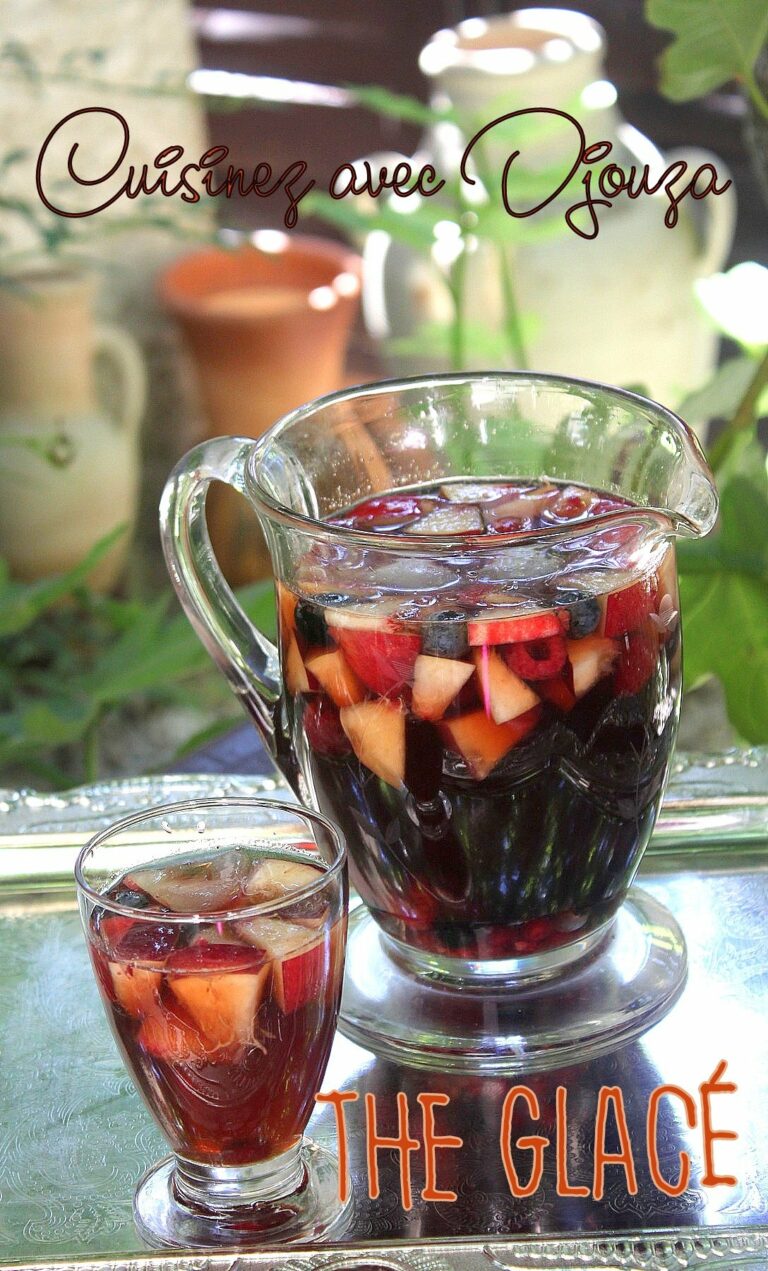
[(74, 1136)]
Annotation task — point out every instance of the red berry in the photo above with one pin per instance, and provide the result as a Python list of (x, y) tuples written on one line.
[(537, 659), (322, 726)]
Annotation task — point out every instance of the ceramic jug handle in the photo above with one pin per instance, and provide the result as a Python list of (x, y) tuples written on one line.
[(247, 659), (715, 215), (122, 353)]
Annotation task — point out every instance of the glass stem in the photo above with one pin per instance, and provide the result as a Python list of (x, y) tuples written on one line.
[(216, 1187)]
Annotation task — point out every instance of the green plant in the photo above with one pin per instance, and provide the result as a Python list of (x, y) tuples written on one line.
[(448, 229), (724, 579), (714, 41), (70, 657)]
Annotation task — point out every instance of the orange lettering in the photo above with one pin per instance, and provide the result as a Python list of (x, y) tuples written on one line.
[(608, 1095), (403, 1144), (432, 1142), (652, 1138), (536, 1142), (707, 1089)]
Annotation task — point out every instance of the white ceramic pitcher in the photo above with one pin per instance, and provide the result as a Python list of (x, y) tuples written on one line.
[(620, 308)]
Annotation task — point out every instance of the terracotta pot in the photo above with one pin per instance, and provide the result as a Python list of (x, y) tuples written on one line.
[(267, 326), (69, 449)]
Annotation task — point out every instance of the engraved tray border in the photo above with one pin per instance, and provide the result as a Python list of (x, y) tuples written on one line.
[(714, 804)]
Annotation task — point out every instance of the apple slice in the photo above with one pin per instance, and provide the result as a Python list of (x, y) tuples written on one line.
[(274, 878), (457, 519), (170, 1038), (221, 1002), (299, 961), (513, 626), (483, 743), (296, 680), (196, 886), (436, 681), (332, 671), (590, 658), (383, 659), (136, 988), (377, 733), (627, 610), (286, 608), (505, 695), (373, 617)]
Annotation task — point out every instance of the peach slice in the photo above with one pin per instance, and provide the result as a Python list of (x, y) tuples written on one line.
[(332, 671), (436, 682), (377, 733), (505, 695)]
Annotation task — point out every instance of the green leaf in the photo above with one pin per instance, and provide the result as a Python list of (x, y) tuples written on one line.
[(395, 105), (737, 302), (724, 593), (719, 397), (24, 602), (715, 41), (415, 227)]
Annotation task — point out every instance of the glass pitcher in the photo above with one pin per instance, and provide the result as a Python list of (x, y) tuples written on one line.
[(487, 710)]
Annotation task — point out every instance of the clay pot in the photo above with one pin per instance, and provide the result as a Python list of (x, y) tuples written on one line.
[(267, 326)]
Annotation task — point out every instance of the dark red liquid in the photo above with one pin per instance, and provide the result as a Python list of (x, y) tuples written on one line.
[(226, 1039), (495, 752)]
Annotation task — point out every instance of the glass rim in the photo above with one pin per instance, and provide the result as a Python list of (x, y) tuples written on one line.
[(220, 915), (675, 523)]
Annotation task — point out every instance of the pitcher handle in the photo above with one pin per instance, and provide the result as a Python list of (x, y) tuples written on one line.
[(715, 216), (245, 656), (117, 348)]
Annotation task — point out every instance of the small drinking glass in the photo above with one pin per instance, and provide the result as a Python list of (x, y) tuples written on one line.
[(216, 929)]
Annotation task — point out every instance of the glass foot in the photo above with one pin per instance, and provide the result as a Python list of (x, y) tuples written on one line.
[(509, 1018), (179, 1206)]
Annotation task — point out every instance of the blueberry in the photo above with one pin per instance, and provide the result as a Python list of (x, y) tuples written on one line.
[(584, 613), (131, 897), (311, 624), (445, 635)]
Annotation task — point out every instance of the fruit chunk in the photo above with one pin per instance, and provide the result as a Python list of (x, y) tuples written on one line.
[(581, 614), (557, 691), (170, 1038), (310, 623), (436, 682), (473, 492), (457, 519), (197, 886), (512, 627), (590, 659), (637, 660), (445, 634), (286, 607), (537, 659), (223, 1000), (147, 942), (295, 672), (274, 878), (482, 743), (505, 695), (377, 733), (333, 672), (382, 659), (136, 988), (323, 727), (626, 610), (298, 960)]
